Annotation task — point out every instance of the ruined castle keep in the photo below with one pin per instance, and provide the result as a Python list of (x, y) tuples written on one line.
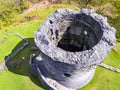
[(71, 44)]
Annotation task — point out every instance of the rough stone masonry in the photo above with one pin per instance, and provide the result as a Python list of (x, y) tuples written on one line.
[(72, 44)]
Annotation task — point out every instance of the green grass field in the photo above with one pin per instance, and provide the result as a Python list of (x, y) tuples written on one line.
[(20, 79)]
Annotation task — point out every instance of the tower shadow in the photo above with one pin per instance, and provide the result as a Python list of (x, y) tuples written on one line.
[(20, 63)]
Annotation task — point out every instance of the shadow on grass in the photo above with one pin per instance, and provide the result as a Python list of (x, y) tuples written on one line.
[(23, 67)]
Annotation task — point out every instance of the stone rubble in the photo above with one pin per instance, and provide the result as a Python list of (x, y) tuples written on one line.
[(3, 66)]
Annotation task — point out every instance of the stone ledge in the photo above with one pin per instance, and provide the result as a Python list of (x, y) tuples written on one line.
[(109, 67)]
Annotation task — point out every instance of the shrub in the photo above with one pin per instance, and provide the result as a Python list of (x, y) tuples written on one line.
[(9, 9)]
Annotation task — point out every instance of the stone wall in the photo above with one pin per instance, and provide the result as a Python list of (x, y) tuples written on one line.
[(12, 55), (16, 52), (109, 67)]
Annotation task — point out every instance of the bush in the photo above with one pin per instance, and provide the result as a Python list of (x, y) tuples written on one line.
[(9, 9), (116, 23)]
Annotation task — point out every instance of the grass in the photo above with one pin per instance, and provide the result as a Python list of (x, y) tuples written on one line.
[(26, 29), (20, 79), (105, 79)]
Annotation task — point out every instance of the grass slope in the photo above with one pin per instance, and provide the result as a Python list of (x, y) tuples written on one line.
[(19, 78)]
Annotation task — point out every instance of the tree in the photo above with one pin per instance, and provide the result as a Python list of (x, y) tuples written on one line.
[(80, 3), (9, 9), (116, 4)]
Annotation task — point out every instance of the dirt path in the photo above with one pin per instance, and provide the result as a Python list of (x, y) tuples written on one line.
[(39, 5)]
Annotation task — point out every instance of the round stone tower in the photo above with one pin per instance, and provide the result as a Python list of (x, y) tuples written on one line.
[(72, 44)]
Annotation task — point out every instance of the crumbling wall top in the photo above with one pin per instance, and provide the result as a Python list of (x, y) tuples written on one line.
[(76, 37)]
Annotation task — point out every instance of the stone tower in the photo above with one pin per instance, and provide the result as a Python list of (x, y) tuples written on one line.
[(72, 44)]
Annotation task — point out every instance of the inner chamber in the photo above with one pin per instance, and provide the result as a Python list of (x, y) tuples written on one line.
[(80, 36)]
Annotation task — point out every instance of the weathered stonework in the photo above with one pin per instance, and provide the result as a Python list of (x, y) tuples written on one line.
[(72, 44), (12, 55), (109, 67)]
